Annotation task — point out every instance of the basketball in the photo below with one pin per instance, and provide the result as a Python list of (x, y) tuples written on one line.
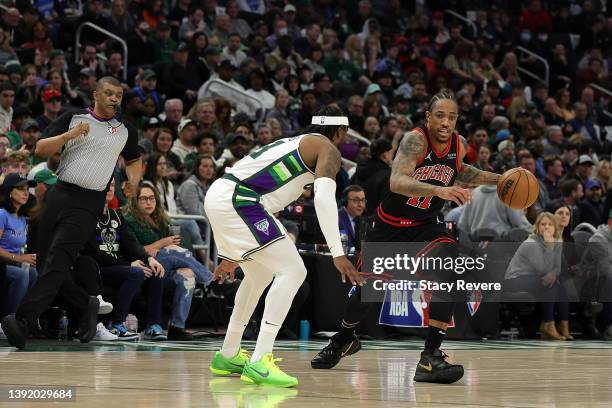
[(518, 188)]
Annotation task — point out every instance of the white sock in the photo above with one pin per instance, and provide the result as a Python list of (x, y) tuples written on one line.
[(265, 340), (233, 337)]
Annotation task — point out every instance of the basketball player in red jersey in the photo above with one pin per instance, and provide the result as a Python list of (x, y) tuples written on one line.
[(427, 165)]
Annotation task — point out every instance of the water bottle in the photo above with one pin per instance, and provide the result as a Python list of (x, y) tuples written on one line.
[(304, 330), (344, 239), (63, 327), (131, 323)]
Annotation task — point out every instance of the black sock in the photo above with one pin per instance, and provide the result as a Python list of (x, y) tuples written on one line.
[(347, 330), (434, 338)]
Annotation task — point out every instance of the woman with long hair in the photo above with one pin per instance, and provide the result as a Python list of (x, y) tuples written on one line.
[(15, 203), (59, 81), (564, 100), (150, 224), (603, 173), (536, 268), (39, 39), (162, 143), (121, 22), (191, 193), (223, 114), (29, 91), (197, 46)]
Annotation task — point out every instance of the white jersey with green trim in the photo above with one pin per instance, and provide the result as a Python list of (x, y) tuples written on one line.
[(276, 172)]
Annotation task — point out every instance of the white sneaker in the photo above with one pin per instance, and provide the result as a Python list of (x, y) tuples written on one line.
[(102, 334), (105, 307)]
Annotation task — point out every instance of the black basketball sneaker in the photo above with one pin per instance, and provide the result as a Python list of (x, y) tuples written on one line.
[(433, 367), (334, 351)]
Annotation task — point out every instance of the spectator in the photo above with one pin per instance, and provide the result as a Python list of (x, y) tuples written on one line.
[(264, 136), (149, 223), (554, 170), (484, 156), (155, 172), (7, 99), (126, 267), (603, 173), (283, 54), (162, 143), (584, 169), (147, 89), (194, 23), (187, 131), (225, 71), (536, 268), (182, 79), (206, 144), (223, 115), (371, 128), (582, 124), (16, 161), (52, 103), (553, 143), (572, 191), (311, 39), (87, 82), (232, 50), (114, 64), (238, 147), (29, 134), (95, 15), (44, 178), (4, 145), (256, 83), (14, 206), (592, 205), (505, 158), (389, 128), (597, 261), (485, 210), (373, 174), (349, 215), (237, 24), (279, 112), (191, 193), (205, 114), (121, 23), (173, 112), (476, 138)]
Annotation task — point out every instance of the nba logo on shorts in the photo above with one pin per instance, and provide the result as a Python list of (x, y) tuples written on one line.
[(474, 299), (263, 226)]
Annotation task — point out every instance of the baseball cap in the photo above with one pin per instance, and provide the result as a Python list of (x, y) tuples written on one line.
[(153, 122), (502, 135), (28, 124), (147, 74), (55, 53), (232, 137), (50, 94), (591, 184), (186, 122), (505, 144), (372, 88), (88, 72), (226, 64), (45, 176), (585, 159), (16, 180), (13, 67), (213, 51), (182, 47), (289, 7)]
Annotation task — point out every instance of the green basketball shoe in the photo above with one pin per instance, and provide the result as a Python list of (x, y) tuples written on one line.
[(266, 372), (221, 365)]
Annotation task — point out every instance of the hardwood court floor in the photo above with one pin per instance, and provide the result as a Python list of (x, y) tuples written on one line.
[(175, 375)]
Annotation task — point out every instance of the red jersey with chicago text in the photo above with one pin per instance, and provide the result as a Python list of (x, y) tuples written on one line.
[(438, 168)]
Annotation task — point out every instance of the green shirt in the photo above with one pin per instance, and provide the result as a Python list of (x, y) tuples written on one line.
[(145, 233), (343, 70)]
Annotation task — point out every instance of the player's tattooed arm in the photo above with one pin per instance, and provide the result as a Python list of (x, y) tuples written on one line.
[(470, 176), (410, 151), (328, 162)]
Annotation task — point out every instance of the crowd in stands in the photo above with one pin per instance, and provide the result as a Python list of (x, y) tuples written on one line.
[(378, 60)]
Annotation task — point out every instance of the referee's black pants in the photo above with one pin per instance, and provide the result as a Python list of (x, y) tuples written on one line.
[(67, 222)]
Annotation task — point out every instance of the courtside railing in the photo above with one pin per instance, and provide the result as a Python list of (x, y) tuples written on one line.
[(77, 44), (465, 21), (532, 74), (208, 247), (242, 101)]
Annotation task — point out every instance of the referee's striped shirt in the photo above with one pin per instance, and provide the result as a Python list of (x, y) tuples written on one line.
[(89, 161)]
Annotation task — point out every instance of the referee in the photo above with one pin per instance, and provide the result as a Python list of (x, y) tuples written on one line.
[(90, 141)]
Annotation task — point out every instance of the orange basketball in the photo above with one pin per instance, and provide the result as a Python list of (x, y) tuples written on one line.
[(518, 188)]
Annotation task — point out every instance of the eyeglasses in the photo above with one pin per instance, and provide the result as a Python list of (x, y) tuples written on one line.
[(358, 200), (145, 199)]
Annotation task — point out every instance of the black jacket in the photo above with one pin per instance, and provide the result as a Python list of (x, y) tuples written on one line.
[(113, 243), (373, 177)]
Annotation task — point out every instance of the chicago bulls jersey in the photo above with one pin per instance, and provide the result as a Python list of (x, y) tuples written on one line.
[(436, 168)]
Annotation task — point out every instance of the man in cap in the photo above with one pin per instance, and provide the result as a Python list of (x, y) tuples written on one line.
[(52, 104), (29, 134), (592, 205), (187, 132), (44, 179), (87, 83), (238, 147), (182, 78), (147, 88), (225, 73)]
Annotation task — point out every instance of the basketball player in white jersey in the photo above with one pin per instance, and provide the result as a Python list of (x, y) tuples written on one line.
[(240, 207)]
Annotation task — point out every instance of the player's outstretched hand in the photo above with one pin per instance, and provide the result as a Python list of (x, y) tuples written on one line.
[(225, 268), (456, 194), (348, 270)]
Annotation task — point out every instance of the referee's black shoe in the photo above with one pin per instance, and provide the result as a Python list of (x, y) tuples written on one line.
[(334, 351), (16, 331), (434, 368), (89, 320)]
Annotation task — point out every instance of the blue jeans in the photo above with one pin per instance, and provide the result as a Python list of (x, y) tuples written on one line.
[(18, 283), (172, 261)]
